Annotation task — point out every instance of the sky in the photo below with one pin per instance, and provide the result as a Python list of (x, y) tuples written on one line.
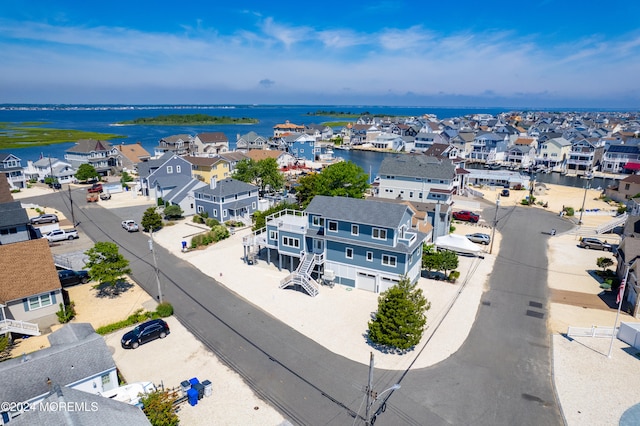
[(539, 53)]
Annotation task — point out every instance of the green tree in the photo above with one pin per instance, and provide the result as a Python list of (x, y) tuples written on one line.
[(86, 172), (343, 179), (158, 407), (151, 219), (246, 171), (173, 212), (604, 263), (431, 258), (269, 175), (260, 218), (401, 316), (106, 265), (126, 177), (448, 261)]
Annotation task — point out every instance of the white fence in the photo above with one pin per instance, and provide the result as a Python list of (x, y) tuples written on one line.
[(593, 331)]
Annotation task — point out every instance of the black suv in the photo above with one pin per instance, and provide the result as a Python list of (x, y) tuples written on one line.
[(145, 332), (69, 277)]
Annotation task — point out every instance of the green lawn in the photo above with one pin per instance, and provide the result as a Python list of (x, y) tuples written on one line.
[(24, 135)]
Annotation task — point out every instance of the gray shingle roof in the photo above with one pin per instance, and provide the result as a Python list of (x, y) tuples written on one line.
[(12, 214), (90, 410), (74, 355), (421, 166), (227, 187), (356, 210)]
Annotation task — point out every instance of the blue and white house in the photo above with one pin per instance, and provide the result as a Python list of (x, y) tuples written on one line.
[(11, 166), (162, 175), (228, 199), (365, 244)]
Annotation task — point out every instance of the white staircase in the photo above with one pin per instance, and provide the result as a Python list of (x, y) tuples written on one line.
[(617, 221), (302, 275)]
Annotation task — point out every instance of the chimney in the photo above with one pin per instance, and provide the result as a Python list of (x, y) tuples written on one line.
[(213, 182)]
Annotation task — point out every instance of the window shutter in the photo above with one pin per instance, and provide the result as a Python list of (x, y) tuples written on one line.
[(25, 304)]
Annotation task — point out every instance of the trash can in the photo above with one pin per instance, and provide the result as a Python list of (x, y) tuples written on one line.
[(207, 388), (185, 387), (193, 381), (199, 387), (192, 395)]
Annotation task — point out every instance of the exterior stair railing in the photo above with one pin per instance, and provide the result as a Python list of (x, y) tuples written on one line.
[(302, 275), (15, 326)]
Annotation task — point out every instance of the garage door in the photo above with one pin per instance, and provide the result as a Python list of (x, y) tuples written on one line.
[(366, 282)]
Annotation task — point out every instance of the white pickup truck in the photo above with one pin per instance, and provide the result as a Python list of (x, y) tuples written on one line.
[(61, 235)]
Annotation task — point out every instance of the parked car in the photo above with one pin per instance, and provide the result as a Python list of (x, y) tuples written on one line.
[(55, 185), (44, 218), (145, 332), (130, 225), (92, 197), (68, 277), (505, 192), (466, 216), (594, 243), (61, 235), (105, 196), (96, 187), (479, 238)]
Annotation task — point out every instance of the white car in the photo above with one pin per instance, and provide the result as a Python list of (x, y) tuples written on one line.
[(479, 238), (130, 225)]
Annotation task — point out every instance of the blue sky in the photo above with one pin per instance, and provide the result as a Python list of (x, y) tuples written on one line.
[(410, 53)]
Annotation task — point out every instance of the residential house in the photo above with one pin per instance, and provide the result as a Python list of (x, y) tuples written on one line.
[(207, 168), (388, 141), (63, 172), (365, 244), (284, 159), (78, 358), (302, 146), (182, 194), (100, 154), (11, 167), (521, 156), (424, 141), (87, 410), (132, 155), (489, 147), (14, 224), (584, 157), (622, 158), (464, 142), (233, 157), (421, 179), (30, 290), (320, 131), (288, 127), (158, 176), (177, 144), (628, 264), (211, 143), (625, 189), (251, 140), (228, 199), (554, 153)]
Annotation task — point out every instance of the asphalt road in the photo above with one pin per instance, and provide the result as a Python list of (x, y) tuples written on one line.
[(501, 375)]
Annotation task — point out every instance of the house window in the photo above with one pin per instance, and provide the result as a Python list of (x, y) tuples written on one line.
[(253, 205), (355, 230), (273, 235), (333, 226), (169, 169), (369, 256), (348, 253), (627, 186), (411, 194), (388, 260), (291, 242), (40, 301), (178, 169), (318, 221), (224, 213), (106, 379), (379, 234), (200, 209), (215, 213)]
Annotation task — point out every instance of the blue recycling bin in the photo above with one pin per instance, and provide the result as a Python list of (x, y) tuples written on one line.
[(194, 380), (192, 395)]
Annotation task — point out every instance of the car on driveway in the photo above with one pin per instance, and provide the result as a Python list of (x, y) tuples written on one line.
[(96, 187), (44, 218), (594, 243), (466, 216), (61, 235), (479, 238), (130, 225), (105, 196), (145, 332), (68, 277)]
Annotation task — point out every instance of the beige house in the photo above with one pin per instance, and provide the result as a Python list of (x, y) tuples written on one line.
[(132, 155), (554, 152), (627, 189)]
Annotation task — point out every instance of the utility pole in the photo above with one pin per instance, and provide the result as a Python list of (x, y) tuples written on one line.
[(369, 389), (584, 199), (495, 223), (155, 264), (73, 218)]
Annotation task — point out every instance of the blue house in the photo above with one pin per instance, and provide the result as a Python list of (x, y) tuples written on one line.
[(359, 243), (162, 175), (228, 199)]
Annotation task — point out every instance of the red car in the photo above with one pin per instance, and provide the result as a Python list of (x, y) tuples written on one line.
[(466, 216)]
